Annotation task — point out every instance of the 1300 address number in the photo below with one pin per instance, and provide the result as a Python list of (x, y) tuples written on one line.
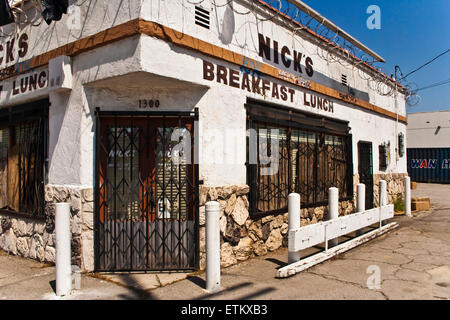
[(144, 104)]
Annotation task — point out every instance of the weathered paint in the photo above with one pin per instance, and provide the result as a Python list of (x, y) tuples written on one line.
[(152, 69), (120, 55), (311, 235), (309, 262)]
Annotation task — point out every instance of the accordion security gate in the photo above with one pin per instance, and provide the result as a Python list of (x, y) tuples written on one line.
[(146, 210)]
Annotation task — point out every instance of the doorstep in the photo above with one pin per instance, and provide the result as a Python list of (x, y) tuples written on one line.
[(143, 281)]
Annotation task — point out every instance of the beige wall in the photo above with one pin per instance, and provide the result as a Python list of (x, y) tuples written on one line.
[(422, 130)]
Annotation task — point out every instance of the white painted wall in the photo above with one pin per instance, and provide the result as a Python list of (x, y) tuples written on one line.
[(221, 108), (244, 29), (88, 18), (116, 76), (72, 113), (423, 131)]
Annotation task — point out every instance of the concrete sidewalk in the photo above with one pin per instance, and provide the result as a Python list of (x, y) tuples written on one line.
[(413, 260)]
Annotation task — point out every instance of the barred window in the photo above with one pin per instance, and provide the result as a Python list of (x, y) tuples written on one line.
[(271, 184), (311, 158), (383, 156), (4, 141), (23, 152)]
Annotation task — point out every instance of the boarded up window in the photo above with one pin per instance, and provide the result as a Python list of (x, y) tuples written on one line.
[(273, 169), (4, 141), (23, 137)]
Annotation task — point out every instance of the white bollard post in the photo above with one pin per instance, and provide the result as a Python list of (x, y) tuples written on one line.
[(383, 193), (294, 222), (408, 196), (333, 210), (383, 198), (212, 246), (360, 201), (63, 249)]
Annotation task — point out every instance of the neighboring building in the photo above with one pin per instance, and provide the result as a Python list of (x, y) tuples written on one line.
[(139, 112), (429, 146)]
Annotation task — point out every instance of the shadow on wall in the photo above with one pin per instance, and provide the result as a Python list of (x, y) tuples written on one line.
[(124, 92)]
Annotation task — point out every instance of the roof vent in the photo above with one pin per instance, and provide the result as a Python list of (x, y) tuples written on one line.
[(344, 80), (201, 17)]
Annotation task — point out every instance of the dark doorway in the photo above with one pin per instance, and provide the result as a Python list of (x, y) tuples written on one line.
[(365, 170)]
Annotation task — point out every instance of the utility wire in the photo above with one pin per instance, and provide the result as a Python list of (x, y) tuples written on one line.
[(404, 77), (441, 83)]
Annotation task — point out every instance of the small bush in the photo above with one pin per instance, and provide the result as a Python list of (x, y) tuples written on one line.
[(399, 204)]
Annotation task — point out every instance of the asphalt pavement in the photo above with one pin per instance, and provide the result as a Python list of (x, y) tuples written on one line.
[(410, 262)]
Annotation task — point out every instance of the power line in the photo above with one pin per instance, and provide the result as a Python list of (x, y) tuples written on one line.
[(441, 83), (404, 77)]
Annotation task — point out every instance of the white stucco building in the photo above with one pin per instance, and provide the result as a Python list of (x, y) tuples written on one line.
[(96, 108), (428, 129), (428, 146)]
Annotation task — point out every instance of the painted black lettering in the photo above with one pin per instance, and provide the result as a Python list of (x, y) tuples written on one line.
[(275, 52), (275, 93), (42, 79), (208, 71), (9, 51), (285, 51), (264, 46), (33, 82), (23, 45), (305, 101), (245, 82), (234, 78), (222, 74), (297, 61), (309, 67), (283, 91)]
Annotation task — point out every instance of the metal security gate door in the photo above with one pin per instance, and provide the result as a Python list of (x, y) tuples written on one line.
[(365, 169), (146, 190)]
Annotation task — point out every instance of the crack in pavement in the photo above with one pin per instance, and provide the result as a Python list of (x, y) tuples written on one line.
[(25, 279), (399, 267), (330, 277)]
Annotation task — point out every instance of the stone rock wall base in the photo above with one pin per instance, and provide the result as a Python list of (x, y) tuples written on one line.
[(35, 238), (395, 186), (243, 237)]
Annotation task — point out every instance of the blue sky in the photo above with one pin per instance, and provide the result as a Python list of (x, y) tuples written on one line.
[(412, 33)]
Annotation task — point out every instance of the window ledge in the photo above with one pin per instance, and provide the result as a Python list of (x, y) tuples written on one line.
[(22, 215)]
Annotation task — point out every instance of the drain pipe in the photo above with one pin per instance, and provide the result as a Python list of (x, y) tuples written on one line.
[(63, 249), (212, 246)]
